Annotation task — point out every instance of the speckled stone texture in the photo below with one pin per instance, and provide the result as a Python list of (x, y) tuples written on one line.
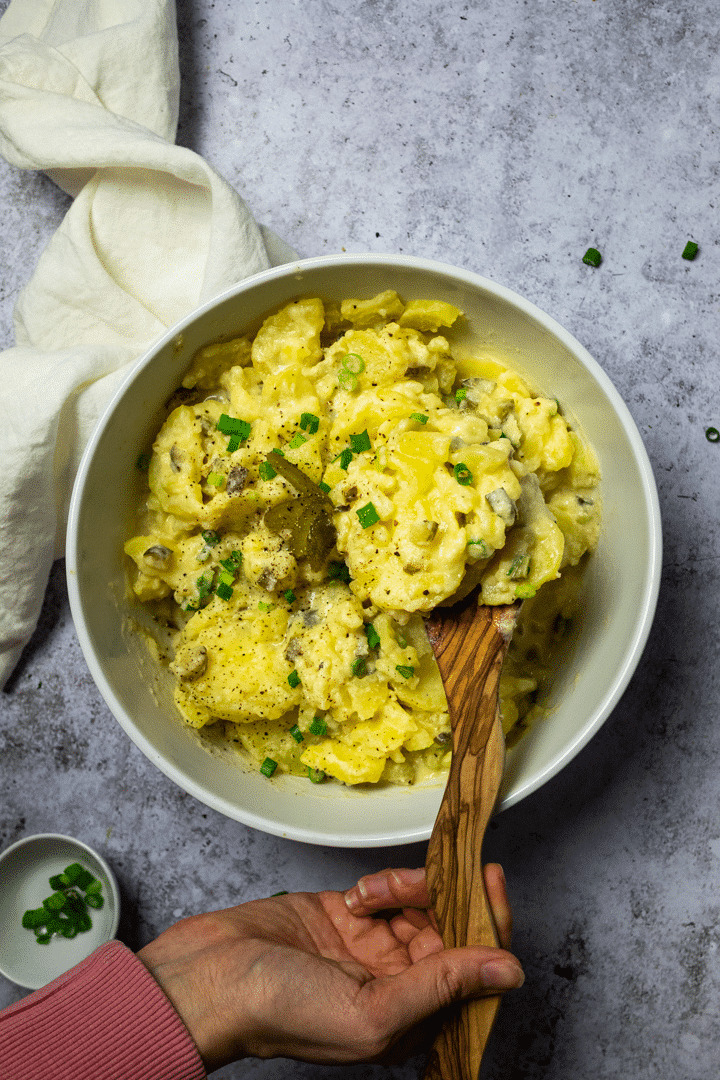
[(504, 137)]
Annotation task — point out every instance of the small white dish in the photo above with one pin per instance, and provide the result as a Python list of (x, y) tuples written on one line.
[(25, 870)]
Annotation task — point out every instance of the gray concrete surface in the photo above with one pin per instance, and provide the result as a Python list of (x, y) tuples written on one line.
[(505, 137)]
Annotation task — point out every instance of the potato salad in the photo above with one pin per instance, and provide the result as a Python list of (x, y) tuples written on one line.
[(318, 487)]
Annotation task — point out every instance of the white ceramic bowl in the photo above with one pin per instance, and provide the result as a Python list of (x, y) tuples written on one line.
[(25, 869), (620, 587)]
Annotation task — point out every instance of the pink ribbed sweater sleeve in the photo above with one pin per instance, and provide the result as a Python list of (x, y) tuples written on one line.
[(105, 1019)]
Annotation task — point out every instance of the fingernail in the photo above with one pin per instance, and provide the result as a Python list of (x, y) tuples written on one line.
[(409, 877), (502, 975), (353, 898)]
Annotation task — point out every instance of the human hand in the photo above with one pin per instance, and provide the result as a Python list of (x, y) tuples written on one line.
[(318, 977)]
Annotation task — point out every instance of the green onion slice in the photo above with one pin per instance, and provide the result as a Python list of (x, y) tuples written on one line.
[(268, 766), (317, 726), (592, 257), (690, 250), (296, 733), (266, 471), (353, 363), (712, 434), (406, 670), (373, 638), (297, 440), (211, 538), (294, 678), (420, 417), (347, 380), (309, 422), (359, 666), (224, 591), (217, 479), (345, 458), (367, 515), (316, 775), (290, 596), (460, 394), (462, 474), (360, 443), (229, 425)]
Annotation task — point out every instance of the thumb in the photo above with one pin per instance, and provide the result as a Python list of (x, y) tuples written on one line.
[(443, 979)]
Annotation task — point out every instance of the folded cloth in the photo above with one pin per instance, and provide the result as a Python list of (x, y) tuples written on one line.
[(89, 94)]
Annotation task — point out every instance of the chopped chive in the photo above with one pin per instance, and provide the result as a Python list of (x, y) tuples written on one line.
[(347, 380), (338, 571), (266, 471), (462, 474), (367, 515), (317, 726), (353, 363), (359, 666), (290, 596), (58, 881), (34, 918), (224, 591), (316, 775), (94, 900), (217, 479), (84, 923), (297, 440), (324, 487), (373, 638), (460, 394), (690, 250), (712, 434), (226, 577), (204, 585), (345, 458), (406, 670), (232, 563), (234, 444), (55, 902), (296, 733), (268, 766), (294, 678), (229, 425), (277, 450), (74, 873), (592, 257), (265, 607), (69, 930), (42, 938), (210, 537), (519, 566), (420, 417), (95, 886), (360, 443), (309, 422), (481, 545)]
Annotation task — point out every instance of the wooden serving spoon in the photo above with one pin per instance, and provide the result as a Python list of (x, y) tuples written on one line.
[(470, 643)]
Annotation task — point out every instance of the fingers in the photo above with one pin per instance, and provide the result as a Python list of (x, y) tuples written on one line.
[(408, 889), (499, 903), (388, 889), (438, 980)]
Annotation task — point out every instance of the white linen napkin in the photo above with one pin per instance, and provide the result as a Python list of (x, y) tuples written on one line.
[(89, 94)]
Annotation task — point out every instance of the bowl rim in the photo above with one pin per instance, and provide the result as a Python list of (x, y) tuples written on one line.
[(646, 606)]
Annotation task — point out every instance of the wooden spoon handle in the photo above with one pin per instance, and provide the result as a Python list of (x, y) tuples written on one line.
[(457, 889), (470, 665)]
